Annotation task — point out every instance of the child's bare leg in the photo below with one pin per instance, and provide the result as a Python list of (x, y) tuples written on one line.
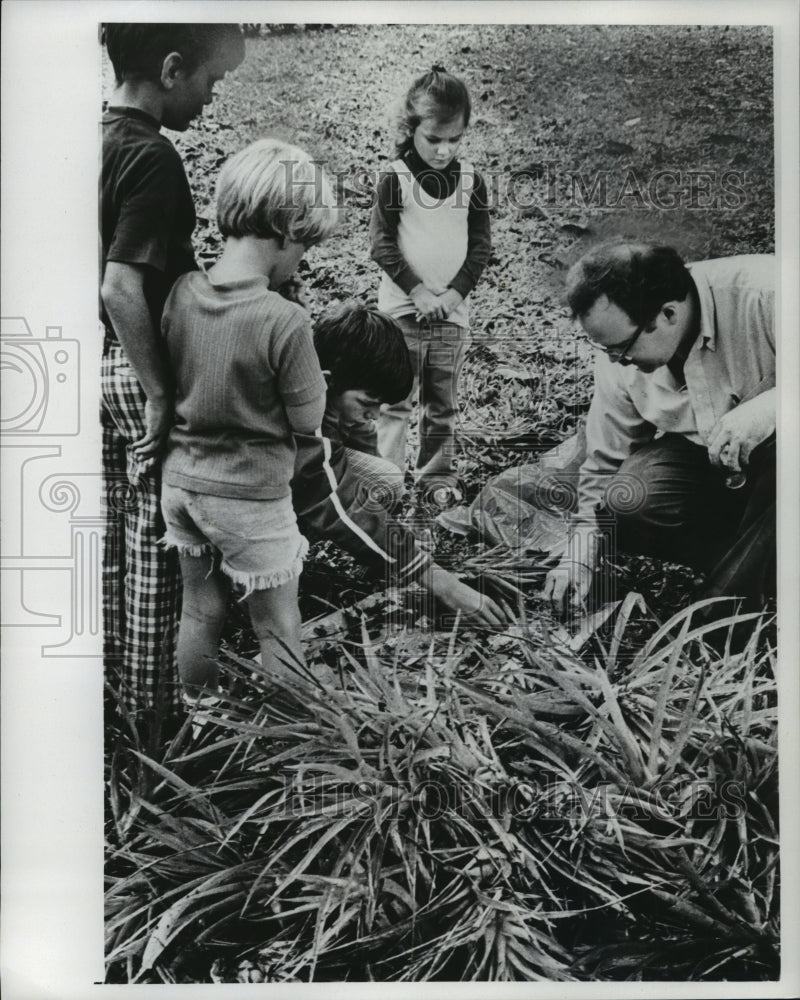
[(276, 622), (205, 603)]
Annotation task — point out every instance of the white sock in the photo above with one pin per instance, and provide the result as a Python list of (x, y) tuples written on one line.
[(206, 700)]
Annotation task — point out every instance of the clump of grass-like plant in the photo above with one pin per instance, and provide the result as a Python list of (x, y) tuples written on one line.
[(433, 809)]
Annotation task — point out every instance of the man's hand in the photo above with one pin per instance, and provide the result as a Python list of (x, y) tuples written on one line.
[(428, 305), (157, 421), (569, 583), (450, 301), (571, 580), (741, 430), (457, 596)]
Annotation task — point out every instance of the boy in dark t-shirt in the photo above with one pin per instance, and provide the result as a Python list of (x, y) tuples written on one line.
[(165, 74), (147, 212)]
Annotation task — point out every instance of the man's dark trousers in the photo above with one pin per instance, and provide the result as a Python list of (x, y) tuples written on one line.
[(675, 505)]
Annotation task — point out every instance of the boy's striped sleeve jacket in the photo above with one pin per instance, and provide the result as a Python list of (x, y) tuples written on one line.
[(331, 506)]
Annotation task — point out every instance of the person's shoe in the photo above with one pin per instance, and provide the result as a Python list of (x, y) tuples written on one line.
[(197, 708)]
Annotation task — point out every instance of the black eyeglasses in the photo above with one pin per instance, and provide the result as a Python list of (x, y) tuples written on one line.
[(619, 352)]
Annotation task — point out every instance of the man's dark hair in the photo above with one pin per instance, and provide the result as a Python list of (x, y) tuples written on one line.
[(364, 349), (138, 51), (637, 277)]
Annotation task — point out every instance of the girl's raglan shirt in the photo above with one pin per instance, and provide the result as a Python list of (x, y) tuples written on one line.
[(429, 226), (247, 378)]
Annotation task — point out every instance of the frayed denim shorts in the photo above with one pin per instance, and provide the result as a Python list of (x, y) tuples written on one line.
[(257, 542)]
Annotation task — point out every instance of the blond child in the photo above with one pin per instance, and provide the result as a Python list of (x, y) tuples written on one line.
[(247, 379)]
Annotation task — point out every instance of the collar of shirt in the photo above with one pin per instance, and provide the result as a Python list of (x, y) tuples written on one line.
[(705, 304), (331, 425), (700, 389), (118, 111), (689, 339), (658, 396), (437, 183)]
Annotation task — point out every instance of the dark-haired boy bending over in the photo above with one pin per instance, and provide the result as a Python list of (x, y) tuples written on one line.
[(347, 496)]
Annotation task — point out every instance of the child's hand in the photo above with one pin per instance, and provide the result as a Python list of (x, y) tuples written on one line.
[(457, 596), (428, 305), (157, 422), (450, 301)]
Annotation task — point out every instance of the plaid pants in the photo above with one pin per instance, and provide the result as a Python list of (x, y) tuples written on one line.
[(141, 580)]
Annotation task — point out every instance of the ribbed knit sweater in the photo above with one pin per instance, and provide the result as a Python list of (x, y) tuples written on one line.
[(247, 377)]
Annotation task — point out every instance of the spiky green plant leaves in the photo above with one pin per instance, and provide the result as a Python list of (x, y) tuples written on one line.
[(440, 809)]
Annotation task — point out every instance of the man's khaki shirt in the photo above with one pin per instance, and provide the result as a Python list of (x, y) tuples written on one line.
[(733, 359)]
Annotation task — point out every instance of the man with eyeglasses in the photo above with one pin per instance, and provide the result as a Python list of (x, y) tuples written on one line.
[(680, 435)]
